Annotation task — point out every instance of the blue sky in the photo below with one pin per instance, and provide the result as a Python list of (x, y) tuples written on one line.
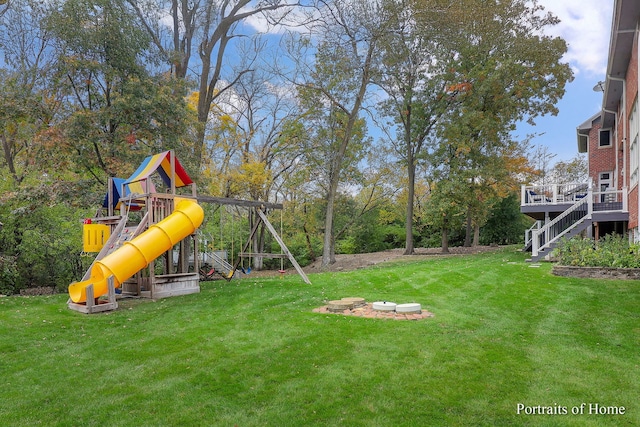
[(586, 26)]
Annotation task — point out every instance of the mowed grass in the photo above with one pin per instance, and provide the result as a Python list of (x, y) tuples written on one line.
[(252, 352)]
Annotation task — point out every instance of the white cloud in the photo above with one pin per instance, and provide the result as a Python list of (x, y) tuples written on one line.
[(586, 26), (288, 19)]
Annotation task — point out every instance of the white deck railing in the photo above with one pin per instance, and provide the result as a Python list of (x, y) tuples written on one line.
[(611, 201), (582, 208), (528, 234), (553, 194)]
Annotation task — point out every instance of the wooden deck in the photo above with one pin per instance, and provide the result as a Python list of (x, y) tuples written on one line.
[(567, 210), (546, 202)]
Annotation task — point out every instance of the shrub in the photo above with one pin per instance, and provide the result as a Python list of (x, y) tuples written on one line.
[(610, 251), (8, 274), (506, 224), (41, 247)]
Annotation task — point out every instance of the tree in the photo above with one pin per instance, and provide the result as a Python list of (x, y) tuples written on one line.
[(22, 115), (541, 159), (337, 83), (505, 71), (332, 153), (249, 149), (248, 133), (40, 238), (574, 171), (445, 208), (211, 26), (28, 102), (414, 76), (505, 223), (118, 112)]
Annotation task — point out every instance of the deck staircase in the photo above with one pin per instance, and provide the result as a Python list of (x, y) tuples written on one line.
[(577, 207), (568, 224)]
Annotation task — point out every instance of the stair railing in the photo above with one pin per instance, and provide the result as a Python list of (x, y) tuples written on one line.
[(528, 234), (562, 224)]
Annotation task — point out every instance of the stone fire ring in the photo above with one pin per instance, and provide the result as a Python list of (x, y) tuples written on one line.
[(368, 312), (339, 306), (384, 306), (357, 301), (411, 308)]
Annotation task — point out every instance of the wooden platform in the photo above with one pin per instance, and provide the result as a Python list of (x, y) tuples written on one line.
[(164, 286), (95, 305)]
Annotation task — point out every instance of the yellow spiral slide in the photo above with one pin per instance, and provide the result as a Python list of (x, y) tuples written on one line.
[(137, 254)]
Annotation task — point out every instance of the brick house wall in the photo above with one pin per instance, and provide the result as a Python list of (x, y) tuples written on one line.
[(620, 92), (631, 92), (601, 159)]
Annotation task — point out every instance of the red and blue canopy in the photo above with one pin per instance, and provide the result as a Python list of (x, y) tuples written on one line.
[(138, 183), (162, 163)]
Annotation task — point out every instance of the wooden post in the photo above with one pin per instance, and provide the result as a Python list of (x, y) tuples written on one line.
[(168, 262), (173, 171), (151, 278), (112, 290), (196, 258), (110, 197), (264, 219), (90, 302)]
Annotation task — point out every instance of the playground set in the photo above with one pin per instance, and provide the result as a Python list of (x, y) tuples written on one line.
[(146, 240)]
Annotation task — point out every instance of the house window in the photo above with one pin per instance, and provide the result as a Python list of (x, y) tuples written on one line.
[(634, 133), (606, 184), (605, 181), (605, 138)]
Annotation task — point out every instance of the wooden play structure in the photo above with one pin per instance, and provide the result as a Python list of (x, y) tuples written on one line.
[(257, 217), (146, 241), (145, 238)]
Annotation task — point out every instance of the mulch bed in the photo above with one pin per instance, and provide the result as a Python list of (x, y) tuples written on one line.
[(597, 272), (40, 290), (368, 312)]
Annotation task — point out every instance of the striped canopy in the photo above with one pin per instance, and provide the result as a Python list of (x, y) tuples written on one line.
[(162, 163), (116, 189)]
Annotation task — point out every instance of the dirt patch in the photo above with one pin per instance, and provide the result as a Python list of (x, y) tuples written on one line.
[(358, 261), (368, 312), (597, 272)]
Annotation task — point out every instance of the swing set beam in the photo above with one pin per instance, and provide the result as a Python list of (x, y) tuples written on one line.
[(261, 255), (239, 202)]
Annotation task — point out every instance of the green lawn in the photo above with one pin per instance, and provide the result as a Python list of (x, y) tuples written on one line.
[(252, 352)]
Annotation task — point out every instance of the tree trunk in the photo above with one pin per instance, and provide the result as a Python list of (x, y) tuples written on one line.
[(258, 243), (445, 236), (307, 237), (476, 235), (9, 159), (469, 228), (410, 196), (328, 252), (198, 149)]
